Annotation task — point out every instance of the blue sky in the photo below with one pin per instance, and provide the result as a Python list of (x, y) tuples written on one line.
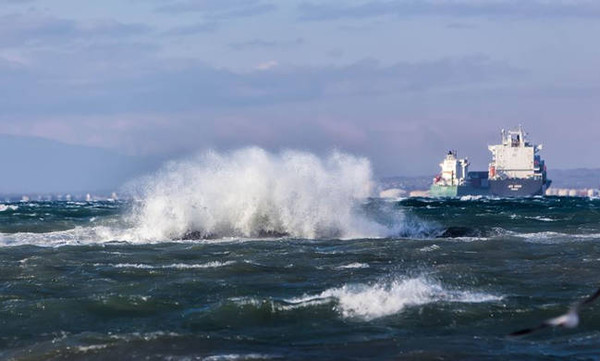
[(398, 81)]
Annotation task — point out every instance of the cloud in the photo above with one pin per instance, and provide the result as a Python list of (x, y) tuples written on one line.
[(219, 9), (460, 26), (200, 28), (18, 30), (454, 8), (85, 86), (267, 65), (266, 44), (16, 1)]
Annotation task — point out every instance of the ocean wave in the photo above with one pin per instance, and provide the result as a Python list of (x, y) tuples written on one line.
[(371, 301), (236, 357), (535, 218), (549, 237), (541, 218), (91, 348), (433, 247), (180, 266), (240, 196), (470, 198), (75, 236), (74, 346), (6, 207), (251, 193), (355, 265)]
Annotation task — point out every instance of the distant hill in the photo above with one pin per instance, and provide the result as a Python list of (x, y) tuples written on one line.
[(575, 178), (40, 165)]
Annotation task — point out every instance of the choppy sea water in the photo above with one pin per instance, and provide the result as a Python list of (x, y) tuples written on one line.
[(449, 281)]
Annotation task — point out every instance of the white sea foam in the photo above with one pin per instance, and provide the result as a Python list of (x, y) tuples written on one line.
[(235, 357), (239, 196), (353, 266), (129, 265), (541, 218), (549, 237), (251, 192), (71, 237), (371, 301), (85, 349), (470, 198), (433, 247), (6, 207), (214, 264)]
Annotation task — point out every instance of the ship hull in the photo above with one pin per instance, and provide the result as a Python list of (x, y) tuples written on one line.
[(505, 188), (517, 187), (439, 191)]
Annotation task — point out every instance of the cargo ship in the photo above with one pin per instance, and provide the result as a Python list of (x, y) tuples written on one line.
[(516, 170)]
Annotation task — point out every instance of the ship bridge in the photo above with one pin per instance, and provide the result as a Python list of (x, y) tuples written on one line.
[(515, 157), (454, 170)]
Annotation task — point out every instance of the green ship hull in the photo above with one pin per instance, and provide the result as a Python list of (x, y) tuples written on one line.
[(457, 191), (443, 191)]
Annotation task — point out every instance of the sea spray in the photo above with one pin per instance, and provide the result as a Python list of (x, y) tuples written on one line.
[(253, 193), (242, 195), (388, 297)]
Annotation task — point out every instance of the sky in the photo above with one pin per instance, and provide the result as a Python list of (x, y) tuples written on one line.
[(397, 81)]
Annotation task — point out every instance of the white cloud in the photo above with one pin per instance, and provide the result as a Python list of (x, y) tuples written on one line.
[(267, 65), (42, 31), (453, 8)]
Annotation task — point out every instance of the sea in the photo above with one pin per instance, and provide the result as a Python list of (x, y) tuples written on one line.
[(255, 256)]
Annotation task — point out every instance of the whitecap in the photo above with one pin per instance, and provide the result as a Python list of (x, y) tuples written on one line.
[(6, 207), (354, 265), (180, 266), (252, 193), (243, 196), (433, 247), (371, 301), (550, 237), (133, 265), (541, 218), (470, 198), (235, 357), (88, 348)]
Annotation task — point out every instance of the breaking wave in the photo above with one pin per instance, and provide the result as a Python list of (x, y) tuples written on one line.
[(6, 207), (371, 301), (355, 265), (253, 193), (367, 302), (179, 266), (238, 196)]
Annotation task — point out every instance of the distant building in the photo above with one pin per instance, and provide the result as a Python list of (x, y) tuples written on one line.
[(419, 194), (393, 193), (573, 192)]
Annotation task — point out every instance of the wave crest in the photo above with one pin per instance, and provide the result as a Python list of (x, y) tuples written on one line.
[(371, 301), (253, 193)]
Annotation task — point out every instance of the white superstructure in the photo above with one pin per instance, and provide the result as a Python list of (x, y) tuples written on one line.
[(454, 170), (515, 157)]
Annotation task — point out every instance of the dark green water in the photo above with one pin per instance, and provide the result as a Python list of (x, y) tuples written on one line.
[(450, 284)]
